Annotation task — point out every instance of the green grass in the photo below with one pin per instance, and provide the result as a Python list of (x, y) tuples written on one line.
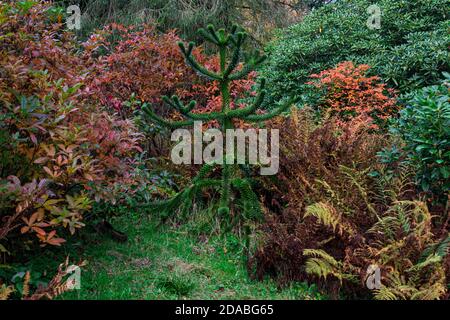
[(165, 263)]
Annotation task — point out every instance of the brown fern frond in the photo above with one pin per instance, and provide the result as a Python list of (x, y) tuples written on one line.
[(26, 285), (6, 291)]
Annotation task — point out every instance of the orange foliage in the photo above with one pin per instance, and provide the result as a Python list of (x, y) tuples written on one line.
[(352, 95)]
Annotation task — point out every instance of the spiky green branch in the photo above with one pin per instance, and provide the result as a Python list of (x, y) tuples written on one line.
[(230, 47)]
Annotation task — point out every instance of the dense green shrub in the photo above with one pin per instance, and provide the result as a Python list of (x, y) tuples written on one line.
[(409, 51), (424, 125)]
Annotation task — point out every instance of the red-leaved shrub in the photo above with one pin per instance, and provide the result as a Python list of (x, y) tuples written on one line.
[(58, 149), (353, 96), (149, 65)]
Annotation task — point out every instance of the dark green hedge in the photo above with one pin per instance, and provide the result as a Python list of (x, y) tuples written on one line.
[(409, 51)]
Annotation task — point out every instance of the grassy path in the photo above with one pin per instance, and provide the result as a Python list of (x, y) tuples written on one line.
[(167, 263)]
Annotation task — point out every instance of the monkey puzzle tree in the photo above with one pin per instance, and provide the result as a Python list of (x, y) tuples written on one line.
[(230, 53)]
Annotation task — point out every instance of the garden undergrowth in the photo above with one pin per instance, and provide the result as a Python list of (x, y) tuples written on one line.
[(164, 262)]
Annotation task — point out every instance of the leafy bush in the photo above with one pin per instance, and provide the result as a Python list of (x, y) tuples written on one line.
[(345, 91), (424, 125), (409, 51), (331, 219), (58, 151)]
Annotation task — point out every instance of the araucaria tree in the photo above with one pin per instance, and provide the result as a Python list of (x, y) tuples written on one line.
[(233, 179)]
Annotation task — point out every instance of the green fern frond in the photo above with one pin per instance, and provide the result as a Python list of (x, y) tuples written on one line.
[(394, 287), (430, 260), (317, 253), (390, 187), (385, 293), (440, 249), (386, 226), (324, 213), (327, 215), (321, 264), (404, 218), (357, 178), (420, 216)]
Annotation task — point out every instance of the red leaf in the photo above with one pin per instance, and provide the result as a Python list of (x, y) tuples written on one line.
[(39, 231), (56, 241), (41, 160), (24, 229), (33, 138)]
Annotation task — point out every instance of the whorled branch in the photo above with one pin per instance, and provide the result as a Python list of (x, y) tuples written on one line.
[(187, 53), (228, 72), (148, 113), (266, 116)]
